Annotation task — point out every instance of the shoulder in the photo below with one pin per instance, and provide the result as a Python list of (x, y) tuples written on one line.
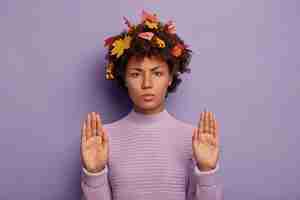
[(115, 127), (183, 129), (184, 124)]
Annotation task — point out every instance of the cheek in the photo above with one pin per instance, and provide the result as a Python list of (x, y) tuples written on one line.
[(133, 87), (160, 86), (165, 88), (163, 83), (133, 84)]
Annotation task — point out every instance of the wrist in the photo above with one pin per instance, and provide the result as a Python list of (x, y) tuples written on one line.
[(96, 170), (205, 168)]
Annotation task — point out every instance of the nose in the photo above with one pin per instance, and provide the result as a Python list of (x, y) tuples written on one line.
[(147, 81)]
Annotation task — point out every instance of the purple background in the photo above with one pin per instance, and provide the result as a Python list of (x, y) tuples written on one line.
[(245, 69)]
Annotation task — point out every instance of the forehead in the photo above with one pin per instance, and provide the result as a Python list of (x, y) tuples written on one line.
[(146, 62)]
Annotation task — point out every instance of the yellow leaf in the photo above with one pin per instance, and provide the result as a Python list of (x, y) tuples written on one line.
[(160, 42), (120, 45), (127, 41), (151, 24)]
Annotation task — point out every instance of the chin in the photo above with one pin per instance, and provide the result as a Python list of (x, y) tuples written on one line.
[(150, 105)]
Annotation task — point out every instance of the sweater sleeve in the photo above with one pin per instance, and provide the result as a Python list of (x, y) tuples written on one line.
[(95, 186), (204, 185)]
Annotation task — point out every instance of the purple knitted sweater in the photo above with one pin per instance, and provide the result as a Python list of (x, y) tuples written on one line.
[(150, 158)]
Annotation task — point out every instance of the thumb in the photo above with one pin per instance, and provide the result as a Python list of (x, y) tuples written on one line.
[(195, 135), (105, 136)]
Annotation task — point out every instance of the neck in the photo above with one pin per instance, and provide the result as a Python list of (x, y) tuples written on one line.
[(149, 112), (157, 118)]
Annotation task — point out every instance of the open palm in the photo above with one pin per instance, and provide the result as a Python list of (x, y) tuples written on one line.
[(94, 144), (206, 142)]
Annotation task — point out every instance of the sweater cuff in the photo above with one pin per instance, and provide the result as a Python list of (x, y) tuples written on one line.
[(95, 179), (206, 178)]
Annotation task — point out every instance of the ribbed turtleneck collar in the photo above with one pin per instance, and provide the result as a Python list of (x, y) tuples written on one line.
[(149, 119)]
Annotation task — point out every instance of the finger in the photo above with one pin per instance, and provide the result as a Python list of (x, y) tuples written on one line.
[(206, 123), (105, 139), (82, 129), (203, 128), (83, 133), (211, 139), (217, 135), (99, 136), (93, 125), (213, 127), (206, 114), (211, 123), (210, 117), (194, 134), (93, 120), (88, 127), (89, 121), (213, 116), (200, 132), (214, 141), (99, 123), (208, 120), (99, 126), (200, 122), (83, 139)]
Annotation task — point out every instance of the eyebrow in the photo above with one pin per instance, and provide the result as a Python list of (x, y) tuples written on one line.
[(140, 69)]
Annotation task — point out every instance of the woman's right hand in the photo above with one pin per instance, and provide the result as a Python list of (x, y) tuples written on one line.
[(94, 144)]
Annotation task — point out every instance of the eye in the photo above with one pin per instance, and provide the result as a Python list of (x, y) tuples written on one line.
[(158, 73), (134, 74)]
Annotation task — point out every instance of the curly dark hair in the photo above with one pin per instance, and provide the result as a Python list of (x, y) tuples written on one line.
[(140, 48)]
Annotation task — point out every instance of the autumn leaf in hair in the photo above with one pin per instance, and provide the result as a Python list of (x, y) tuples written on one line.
[(129, 25), (160, 42), (177, 50), (150, 20), (170, 27), (146, 35), (120, 45), (108, 41), (109, 71), (149, 17)]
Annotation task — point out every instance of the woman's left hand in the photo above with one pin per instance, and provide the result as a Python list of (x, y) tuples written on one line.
[(206, 142)]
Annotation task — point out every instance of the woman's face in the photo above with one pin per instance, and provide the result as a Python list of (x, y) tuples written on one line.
[(149, 75)]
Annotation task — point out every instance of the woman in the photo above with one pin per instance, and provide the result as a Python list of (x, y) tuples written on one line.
[(149, 154)]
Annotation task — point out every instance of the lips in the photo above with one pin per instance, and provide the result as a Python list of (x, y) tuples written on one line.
[(145, 95), (148, 97)]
